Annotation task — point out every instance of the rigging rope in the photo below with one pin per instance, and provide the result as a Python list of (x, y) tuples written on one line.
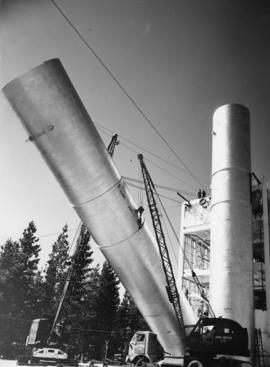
[(130, 98), (109, 132)]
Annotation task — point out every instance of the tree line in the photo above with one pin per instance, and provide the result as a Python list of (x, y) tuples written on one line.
[(93, 320)]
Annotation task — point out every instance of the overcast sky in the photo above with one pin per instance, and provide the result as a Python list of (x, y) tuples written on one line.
[(178, 59)]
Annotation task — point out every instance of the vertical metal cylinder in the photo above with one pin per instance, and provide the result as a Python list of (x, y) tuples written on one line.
[(61, 128), (231, 263)]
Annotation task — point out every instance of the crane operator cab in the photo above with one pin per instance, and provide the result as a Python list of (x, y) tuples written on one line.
[(218, 336)]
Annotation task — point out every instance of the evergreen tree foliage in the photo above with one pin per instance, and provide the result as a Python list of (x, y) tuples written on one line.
[(9, 272), (19, 284), (91, 315), (56, 273), (108, 298), (76, 313), (90, 326), (26, 296), (106, 310)]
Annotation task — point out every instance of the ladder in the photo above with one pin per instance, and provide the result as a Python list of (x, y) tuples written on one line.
[(259, 356)]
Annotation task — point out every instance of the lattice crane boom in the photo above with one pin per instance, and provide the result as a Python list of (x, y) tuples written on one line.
[(163, 250)]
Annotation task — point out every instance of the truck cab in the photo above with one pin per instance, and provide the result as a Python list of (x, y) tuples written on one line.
[(218, 336), (144, 347)]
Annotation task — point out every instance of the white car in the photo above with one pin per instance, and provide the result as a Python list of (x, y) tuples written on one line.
[(49, 354)]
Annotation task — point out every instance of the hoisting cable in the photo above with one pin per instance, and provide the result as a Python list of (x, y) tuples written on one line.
[(108, 132), (156, 185), (131, 99), (163, 196)]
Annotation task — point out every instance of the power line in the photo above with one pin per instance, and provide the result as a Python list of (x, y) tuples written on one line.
[(163, 169), (160, 186), (131, 99), (163, 196), (108, 132), (154, 164), (55, 233)]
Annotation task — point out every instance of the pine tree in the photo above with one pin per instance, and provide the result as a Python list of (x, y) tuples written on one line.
[(76, 311), (108, 299), (92, 294), (9, 272), (29, 253), (56, 273), (18, 286), (107, 308)]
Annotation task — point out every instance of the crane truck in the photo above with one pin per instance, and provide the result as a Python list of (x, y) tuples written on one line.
[(212, 340)]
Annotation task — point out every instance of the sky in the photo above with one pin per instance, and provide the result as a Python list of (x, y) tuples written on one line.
[(178, 60)]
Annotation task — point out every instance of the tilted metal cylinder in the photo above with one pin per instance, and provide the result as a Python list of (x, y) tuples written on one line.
[(61, 128), (231, 262)]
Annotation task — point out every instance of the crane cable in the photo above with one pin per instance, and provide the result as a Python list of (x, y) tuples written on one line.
[(131, 99), (108, 132)]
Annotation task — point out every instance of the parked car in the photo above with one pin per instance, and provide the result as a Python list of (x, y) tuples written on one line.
[(49, 355)]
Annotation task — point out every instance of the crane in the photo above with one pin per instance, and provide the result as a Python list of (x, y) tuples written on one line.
[(200, 347), (163, 250), (171, 284)]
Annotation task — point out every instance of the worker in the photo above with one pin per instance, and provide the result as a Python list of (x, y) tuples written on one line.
[(139, 211)]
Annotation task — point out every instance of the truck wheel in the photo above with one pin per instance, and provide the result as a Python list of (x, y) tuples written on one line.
[(141, 362), (194, 363)]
